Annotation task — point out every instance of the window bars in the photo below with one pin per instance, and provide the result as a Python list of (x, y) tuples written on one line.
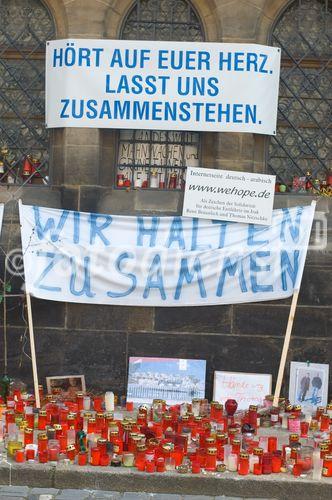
[(300, 153), (158, 159), (25, 25)]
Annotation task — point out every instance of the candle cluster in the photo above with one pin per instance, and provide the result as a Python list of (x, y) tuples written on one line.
[(191, 438)]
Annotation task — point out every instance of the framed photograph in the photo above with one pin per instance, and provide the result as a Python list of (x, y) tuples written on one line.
[(246, 388), (171, 379), (308, 384), (67, 385)]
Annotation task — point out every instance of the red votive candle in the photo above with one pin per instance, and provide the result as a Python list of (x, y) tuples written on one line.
[(19, 456), (150, 467), (28, 436), (42, 420), (53, 454), (82, 458), (272, 444), (160, 464), (140, 465), (97, 404), (195, 467), (297, 470), (304, 426), (43, 457), (63, 442), (30, 418), (276, 464), (258, 469), (104, 460), (30, 454), (243, 467), (95, 456)]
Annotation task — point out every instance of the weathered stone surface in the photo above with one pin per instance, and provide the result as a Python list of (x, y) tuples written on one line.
[(316, 287), (211, 319), (254, 319), (156, 201), (69, 198), (99, 317), (100, 356), (14, 490), (131, 482)]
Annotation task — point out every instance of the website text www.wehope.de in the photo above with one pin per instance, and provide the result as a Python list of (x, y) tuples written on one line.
[(242, 193)]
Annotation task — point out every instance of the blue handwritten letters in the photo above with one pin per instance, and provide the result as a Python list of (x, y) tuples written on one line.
[(164, 85), (161, 261)]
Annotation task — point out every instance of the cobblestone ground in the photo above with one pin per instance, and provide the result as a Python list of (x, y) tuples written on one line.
[(25, 493)]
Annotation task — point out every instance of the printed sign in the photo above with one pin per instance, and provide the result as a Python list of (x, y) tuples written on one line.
[(245, 388), (161, 261), (229, 196), (162, 85)]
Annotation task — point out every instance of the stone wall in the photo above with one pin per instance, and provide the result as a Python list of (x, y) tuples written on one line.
[(97, 340)]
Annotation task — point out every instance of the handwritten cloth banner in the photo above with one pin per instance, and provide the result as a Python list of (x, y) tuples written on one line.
[(162, 85), (161, 261)]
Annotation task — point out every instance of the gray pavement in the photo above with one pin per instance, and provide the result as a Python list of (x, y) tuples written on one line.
[(25, 493)]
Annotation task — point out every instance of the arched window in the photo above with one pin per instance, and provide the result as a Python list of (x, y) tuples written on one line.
[(25, 25), (158, 159), (303, 141)]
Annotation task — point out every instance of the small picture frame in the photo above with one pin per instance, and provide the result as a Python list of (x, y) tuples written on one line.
[(67, 385), (308, 384)]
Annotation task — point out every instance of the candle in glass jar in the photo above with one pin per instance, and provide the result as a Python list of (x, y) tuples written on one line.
[(211, 459), (272, 444), (294, 424), (128, 459), (109, 401), (325, 422), (28, 436), (243, 464), (82, 458), (42, 442), (86, 402), (253, 459), (95, 456), (71, 452), (232, 462), (19, 456), (276, 463)]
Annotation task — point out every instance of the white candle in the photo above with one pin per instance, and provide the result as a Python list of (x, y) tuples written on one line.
[(284, 423), (109, 401), (317, 465), (253, 459), (308, 417), (232, 462), (86, 403), (71, 435)]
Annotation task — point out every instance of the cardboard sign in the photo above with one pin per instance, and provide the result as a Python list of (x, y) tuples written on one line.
[(245, 388), (230, 196), (214, 87)]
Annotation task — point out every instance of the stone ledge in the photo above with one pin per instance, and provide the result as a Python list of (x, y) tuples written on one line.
[(228, 484)]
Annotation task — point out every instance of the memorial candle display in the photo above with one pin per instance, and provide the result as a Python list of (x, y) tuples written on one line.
[(195, 437)]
